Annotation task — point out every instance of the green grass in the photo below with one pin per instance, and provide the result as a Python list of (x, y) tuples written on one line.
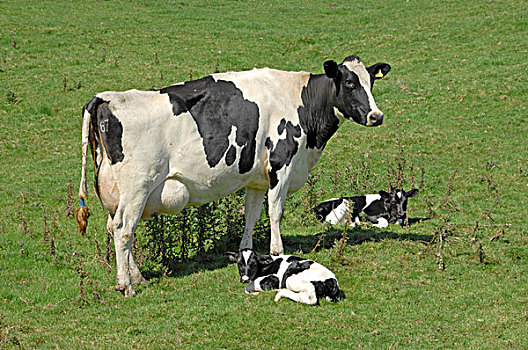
[(455, 104)]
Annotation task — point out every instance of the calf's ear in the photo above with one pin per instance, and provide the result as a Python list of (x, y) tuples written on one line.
[(379, 70), (412, 193), (231, 256)]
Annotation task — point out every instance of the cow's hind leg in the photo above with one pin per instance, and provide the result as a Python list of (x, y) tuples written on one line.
[(124, 226), (305, 295), (381, 223), (135, 275)]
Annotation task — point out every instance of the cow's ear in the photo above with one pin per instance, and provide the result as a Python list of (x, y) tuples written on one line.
[(264, 259), (331, 69), (379, 70), (232, 256), (384, 194), (412, 193)]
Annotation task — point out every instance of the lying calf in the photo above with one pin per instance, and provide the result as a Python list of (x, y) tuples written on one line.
[(298, 279), (379, 209)]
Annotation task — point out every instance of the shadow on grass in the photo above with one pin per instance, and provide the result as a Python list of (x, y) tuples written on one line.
[(299, 244), (355, 236)]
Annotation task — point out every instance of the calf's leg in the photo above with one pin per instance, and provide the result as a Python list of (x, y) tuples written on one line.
[(305, 295)]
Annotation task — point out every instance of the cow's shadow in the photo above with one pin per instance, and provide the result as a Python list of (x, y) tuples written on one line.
[(298, 244)]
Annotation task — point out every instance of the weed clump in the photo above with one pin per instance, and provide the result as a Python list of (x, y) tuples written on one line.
[(166, 240)]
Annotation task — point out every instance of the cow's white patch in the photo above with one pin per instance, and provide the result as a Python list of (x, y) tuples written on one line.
[(245, 256), (364, 78), (371, 198), (339, 214)]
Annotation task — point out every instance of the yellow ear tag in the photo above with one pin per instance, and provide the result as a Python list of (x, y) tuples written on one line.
[(379, 74)]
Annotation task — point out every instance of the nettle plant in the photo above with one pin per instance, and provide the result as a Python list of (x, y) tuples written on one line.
[(217, 226)]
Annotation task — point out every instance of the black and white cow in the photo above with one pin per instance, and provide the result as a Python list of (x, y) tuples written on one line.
[(379, 209), (296, 278), (194, 142)]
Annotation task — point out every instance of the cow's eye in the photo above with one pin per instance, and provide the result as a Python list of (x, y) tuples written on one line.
[(350, 84)]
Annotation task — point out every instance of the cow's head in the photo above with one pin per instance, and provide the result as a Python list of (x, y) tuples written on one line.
[(398, 200), (353, 89), (249, 263)]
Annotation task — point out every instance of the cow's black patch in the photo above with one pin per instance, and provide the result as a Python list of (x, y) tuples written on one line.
[(105, 123), (271, 268), (327, 288), (283, 152), (294, 258), (377, 209), (230, 156), (359, 203), (111, 131), (270, 282), (316, 115), (217, 107), (294, 268)]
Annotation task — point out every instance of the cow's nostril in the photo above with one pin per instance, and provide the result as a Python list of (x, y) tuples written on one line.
[(375, 118)]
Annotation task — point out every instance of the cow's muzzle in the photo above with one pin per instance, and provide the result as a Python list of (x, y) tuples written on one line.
[(375, 118)]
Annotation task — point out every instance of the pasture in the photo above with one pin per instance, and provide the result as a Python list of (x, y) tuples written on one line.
[(455, 105)]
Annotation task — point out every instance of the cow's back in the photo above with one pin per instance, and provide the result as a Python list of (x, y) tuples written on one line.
[(209, 134)]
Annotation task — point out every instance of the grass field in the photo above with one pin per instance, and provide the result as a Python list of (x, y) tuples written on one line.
[(455, 107)]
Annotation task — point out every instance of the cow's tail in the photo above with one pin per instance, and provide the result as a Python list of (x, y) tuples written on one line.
[(82, 213)]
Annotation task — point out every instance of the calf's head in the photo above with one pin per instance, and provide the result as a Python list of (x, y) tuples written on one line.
[(249, 263), (398, 204), (353, 89)]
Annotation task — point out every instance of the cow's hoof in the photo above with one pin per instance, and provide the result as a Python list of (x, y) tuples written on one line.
[(138, 280), (276, 251), (127, 291)]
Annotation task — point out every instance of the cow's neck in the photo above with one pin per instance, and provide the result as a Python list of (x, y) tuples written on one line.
[(317, 116)]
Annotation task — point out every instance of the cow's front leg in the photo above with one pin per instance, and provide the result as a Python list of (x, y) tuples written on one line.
[(252, 212), (276, 199)]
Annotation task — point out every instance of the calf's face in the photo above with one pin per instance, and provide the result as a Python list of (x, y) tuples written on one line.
[(398, 200), (247, 262), (353, 89)]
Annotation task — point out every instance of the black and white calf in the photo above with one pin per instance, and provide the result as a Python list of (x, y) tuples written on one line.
[(380, 209), (296, 278)]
